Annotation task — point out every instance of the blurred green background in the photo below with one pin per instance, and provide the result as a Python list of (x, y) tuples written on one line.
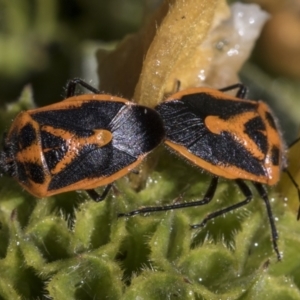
[(47, 42)]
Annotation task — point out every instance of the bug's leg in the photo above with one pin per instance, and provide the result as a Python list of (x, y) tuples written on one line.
[(96, 197), (136, 172), (177, 85), (264, 195), (294, 142), (207, 198), (247, 193), (71, 87), (295, 184), (242, 89)]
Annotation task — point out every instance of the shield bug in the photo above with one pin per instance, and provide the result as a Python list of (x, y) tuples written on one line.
[(83, 142), (227, 136)]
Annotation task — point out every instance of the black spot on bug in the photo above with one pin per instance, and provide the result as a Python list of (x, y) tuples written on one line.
[(20, 172), (26, 136), (275, 155), (53, 157), (35, 172), (54, 148), (270, 120), (254, 128), (50, 141)]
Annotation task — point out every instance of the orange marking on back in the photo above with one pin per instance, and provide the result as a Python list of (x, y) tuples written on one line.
[(74, 143)]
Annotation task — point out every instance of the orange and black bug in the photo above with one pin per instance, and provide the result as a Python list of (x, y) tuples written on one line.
[(229, 137), (83, 142)]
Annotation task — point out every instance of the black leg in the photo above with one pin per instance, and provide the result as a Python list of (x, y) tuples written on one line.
[(96, 197), (207, 198), (295, 184), (177, 85), (247, 193), (242, 90), (264, 195), (134, 171), (71, 87), (294, 142)]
